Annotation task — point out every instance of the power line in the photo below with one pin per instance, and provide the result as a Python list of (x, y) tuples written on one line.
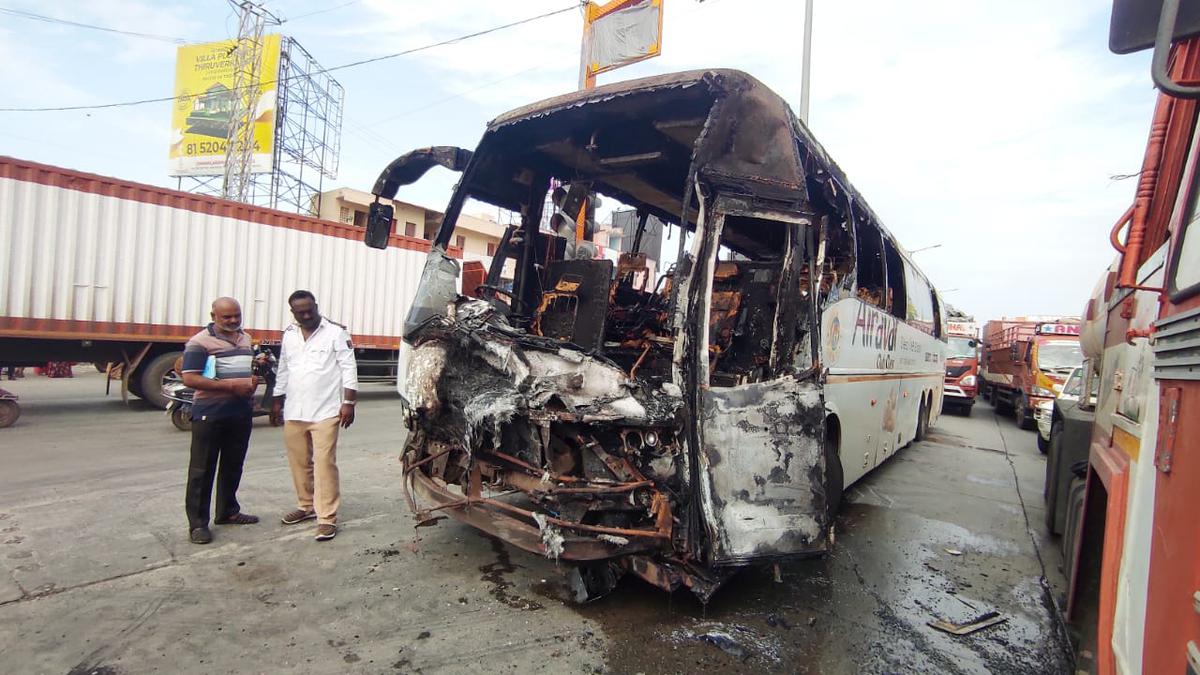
[(352, 64), (20, 13), (322, 11), (454, 40), (451, 97)]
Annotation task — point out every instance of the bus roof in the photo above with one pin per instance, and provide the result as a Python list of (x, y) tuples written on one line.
[(753, 120), (741, 135)]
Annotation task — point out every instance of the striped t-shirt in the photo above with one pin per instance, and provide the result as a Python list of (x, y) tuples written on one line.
[(219, 358)]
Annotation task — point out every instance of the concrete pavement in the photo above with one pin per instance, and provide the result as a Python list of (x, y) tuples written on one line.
[(99, 576)]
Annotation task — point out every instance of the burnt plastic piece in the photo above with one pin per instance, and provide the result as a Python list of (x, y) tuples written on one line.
[(409, 167), (593, 581), (579, 319), (379, 225)]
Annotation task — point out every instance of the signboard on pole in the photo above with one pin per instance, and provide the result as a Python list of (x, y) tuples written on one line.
[(204, 106), (619, 33)]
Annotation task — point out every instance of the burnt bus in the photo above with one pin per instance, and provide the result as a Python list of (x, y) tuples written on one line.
[(676, 427)]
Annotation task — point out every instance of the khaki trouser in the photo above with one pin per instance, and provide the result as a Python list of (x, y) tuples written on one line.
[(314, 445)]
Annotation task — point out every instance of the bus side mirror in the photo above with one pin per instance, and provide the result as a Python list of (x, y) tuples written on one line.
[(379, 225)]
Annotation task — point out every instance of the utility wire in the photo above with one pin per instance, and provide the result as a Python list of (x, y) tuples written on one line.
[(352, 64), (20, 13), (321, 11), (451, 97)]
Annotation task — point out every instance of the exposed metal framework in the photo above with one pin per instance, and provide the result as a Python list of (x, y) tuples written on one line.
[(308, 132), (247, 85)]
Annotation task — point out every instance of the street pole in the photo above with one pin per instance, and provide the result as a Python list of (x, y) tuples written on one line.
[(587, 80), (804, 73)]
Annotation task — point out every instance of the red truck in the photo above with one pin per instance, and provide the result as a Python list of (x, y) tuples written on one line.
[(962, 366), (1026, 360)]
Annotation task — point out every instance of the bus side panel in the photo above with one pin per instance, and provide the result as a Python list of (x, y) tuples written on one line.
[(880, 370), (764, 462)]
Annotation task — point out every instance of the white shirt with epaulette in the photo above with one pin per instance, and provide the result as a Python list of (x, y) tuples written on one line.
[(312, 373)]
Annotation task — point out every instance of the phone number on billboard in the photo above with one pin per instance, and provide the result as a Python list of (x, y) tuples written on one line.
[(210, 148)]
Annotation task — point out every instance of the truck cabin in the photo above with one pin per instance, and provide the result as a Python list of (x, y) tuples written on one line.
[(593, 392)]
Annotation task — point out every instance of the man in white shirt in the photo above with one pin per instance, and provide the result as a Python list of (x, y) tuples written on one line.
[(316, 388)]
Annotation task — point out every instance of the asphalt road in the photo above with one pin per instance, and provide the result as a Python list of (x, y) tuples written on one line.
[(99, 576)]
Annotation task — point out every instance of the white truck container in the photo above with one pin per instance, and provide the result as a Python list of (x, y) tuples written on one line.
[(98, 269)]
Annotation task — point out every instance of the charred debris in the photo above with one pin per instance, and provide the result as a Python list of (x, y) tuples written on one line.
[(673, 429)]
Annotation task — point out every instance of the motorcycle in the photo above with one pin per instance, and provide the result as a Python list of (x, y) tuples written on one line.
[(179, 409), (181, 396)]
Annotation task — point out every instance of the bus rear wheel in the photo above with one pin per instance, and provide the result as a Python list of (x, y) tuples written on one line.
[(922, 422), (834, 478)]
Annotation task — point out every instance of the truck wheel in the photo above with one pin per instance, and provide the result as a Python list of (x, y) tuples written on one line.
[(9, 412), (150, 379), (1023, 418), (1001, 403)]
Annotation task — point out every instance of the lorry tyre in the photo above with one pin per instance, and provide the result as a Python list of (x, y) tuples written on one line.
[(135, 385), (1050, 489), (150, 378), (1021, 414), (1001, 403)]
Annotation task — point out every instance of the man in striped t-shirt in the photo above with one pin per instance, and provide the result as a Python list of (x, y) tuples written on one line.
[(218, 362)]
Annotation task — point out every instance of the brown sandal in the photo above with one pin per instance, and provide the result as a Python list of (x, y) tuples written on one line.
[(238, 519), (297, 516)]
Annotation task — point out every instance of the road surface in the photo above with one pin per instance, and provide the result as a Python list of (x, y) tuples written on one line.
[(99, 576)]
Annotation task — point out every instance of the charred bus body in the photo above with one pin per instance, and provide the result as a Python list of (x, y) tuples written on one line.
[(674, 430)]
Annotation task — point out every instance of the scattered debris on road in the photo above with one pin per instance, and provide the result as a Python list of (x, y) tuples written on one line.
[(980, 622)]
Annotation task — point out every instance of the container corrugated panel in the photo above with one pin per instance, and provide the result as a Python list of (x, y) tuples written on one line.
[(85, 256)]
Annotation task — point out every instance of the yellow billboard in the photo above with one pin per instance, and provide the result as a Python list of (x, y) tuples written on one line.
[(204, 105)]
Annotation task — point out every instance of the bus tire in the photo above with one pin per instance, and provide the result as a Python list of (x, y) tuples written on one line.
[(150, 378), (922, 421), (834, 478)]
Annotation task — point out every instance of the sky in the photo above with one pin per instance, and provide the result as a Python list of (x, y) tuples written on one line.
[(996, 132)]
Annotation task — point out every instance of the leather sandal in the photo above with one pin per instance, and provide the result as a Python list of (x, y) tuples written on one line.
[(238, 519)]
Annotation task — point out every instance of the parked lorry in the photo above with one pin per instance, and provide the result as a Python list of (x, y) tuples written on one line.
[(99, 270), (1026, 360), (1132, 556), (962, 365)]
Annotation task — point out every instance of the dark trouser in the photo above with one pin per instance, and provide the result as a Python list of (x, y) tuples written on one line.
[(222, 439)]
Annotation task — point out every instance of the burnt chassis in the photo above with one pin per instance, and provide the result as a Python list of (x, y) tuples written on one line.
[(662, 475)]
